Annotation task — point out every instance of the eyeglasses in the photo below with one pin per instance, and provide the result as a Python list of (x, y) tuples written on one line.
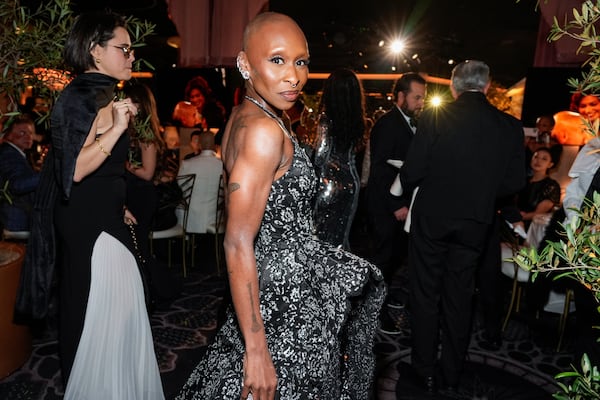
[(127, 51)]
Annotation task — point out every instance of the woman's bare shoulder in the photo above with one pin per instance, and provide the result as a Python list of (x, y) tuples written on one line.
[(252, 131)]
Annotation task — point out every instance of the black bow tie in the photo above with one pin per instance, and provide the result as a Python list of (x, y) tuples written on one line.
[(412, 122)]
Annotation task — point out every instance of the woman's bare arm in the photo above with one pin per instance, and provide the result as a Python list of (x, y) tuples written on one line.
[(146, 170), (115, 117), (258, 157), (543, 207)]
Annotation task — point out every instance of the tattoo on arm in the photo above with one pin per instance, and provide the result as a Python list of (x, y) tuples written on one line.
[(233, 186), (255, 325)]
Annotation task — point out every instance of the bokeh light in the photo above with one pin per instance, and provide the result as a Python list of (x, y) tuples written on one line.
[(397, 46), (436, 101)]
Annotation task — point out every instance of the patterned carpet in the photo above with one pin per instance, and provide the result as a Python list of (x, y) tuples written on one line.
[(523, 368)]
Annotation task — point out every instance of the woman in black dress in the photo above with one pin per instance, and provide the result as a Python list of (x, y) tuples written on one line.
[(105, 342), (540, 196)]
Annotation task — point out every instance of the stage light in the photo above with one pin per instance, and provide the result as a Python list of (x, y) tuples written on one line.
[(397, 46), (436, 101)]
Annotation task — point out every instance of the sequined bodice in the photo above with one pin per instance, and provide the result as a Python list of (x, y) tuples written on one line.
[(288, 213)]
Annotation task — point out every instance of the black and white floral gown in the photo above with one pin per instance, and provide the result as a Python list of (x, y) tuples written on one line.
[(320, 307)]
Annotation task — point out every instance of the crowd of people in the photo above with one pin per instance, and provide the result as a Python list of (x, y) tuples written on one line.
[(303, 308)]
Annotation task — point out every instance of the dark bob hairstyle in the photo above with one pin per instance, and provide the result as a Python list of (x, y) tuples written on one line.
[(89, 30)]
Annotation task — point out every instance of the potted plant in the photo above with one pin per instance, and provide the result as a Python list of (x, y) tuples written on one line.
[(15, 340), (31, 43), (577, 254)]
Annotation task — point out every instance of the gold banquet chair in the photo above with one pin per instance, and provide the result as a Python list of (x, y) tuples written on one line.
[(562, 304), (186, 183), (557, 302), (518, 275)]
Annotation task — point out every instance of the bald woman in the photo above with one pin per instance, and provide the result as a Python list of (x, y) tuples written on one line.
[(304, 313)]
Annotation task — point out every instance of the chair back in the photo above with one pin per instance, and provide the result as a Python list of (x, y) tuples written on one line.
[(220, 212), (557, 302), (186, 183), (509, 268)]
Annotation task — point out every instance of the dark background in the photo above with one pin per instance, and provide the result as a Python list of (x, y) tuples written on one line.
[(343, 33)]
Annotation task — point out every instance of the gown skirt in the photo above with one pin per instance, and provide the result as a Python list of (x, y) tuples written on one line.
[(319, 305), (105, 340)]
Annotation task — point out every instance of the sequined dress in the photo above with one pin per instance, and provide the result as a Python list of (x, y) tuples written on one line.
[(320, 307), (338, 189)]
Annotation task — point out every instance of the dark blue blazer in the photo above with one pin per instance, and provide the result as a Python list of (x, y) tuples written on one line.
[(22, 182)]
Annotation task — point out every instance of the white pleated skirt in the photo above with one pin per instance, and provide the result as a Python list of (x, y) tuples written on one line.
[(115, 358)]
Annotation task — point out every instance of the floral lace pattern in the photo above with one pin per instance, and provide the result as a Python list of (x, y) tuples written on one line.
[(320, 307)]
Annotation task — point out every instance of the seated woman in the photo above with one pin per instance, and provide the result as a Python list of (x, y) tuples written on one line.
[(540, 196)]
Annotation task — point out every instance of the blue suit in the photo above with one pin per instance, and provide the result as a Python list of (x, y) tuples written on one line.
[(22, 182)]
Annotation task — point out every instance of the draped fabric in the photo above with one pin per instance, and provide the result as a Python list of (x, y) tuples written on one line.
[(71, 121), (211, 30)]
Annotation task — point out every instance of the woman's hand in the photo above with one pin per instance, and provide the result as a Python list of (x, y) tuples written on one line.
[(129, 167), (260, 377), (123, 111), (128, 217)]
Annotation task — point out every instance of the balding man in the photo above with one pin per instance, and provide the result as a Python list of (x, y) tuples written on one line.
[(208, 169), (462, 158), (16, 174)]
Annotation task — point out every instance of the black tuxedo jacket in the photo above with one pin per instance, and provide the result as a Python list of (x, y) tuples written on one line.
[(390, 138), (463, 157)]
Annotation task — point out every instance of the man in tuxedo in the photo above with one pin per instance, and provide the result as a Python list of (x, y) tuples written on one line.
[(464, 156), (390, 138), (16, 174)]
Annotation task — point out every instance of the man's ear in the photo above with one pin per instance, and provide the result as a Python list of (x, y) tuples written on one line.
[(400, 97), (487, 87), (453, 91)]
